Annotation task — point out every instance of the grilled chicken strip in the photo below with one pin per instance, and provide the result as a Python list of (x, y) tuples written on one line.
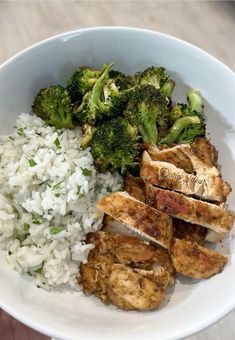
[(132, 290), (189, 232), (195, 261), (180, 155), (189, 209), (205, 151), (206, 183), (177, 155), (150, 223), (214, 237), (134, 186), (122, 269)]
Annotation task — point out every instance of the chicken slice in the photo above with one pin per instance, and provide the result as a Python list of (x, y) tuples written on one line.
[(134, 186), (205, 151), (189, 232), (195, 261), (131, 250), (131, 290), (206, 183), (214, 237), (122, 269), (150, 223), (177, 155), (189, 209)]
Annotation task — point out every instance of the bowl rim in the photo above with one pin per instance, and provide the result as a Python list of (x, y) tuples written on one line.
[(221, 313)]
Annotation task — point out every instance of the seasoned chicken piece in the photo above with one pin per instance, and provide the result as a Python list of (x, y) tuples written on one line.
[(189, 232), (206, 183), (132, 251), (150, 223), (189, 209), (195, 261), (214, 237), (134, 186), (177, 155), (131, 290), (205, 151), (180, 155), (122, 269)]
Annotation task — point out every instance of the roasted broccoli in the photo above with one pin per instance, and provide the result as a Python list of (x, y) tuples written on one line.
[(103, 102), (188, 122), (115, 145), (157, 77), (53, 105), (88, 132), (147, 110), (122, 81), (82, 81)]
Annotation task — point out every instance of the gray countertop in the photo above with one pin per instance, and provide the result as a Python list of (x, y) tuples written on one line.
[(209, 25)]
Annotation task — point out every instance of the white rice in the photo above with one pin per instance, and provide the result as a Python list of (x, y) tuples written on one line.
[(49, 187)]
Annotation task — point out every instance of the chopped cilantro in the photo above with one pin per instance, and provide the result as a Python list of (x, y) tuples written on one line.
[(86, 172), (57, 143), (20, 132), (11, 138), (56, 230), (16, 212), (26, 227), (32, 162), (36, 221)]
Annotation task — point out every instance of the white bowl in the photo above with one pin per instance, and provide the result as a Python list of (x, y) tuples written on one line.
[(192, 306)]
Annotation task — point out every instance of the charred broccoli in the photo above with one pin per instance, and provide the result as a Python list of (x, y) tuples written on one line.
[(82, 81), (104, 101), (157, 77), (122, 81), (147, 110), (115, 145), (187, 120), (53, 105)]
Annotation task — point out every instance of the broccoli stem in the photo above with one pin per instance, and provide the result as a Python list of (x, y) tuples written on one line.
[(195, 100), (177, 127), (149, 133), (98, 87), (167, 88)]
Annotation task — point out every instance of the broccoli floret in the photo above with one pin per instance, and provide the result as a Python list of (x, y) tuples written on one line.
[(147, 110), (188, 122), (91, 108), (82, 81), (157, 77), (188, 135), (194, 99), (168, 88), (179, 125), (115, 145), (122, 81), (88, 132), (53, 105), (103, 102)]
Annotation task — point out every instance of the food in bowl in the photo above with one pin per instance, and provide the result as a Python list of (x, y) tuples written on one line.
[(63, 170)]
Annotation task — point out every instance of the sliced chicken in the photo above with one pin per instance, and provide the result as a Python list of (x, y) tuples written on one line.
[(132, 290), (177, 155), (206, 183), (180, 155), (189, 209), (214, 237), (189, 232), (134, 186), (150, 223), (195, 261), (122, 270), (205, 151)]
